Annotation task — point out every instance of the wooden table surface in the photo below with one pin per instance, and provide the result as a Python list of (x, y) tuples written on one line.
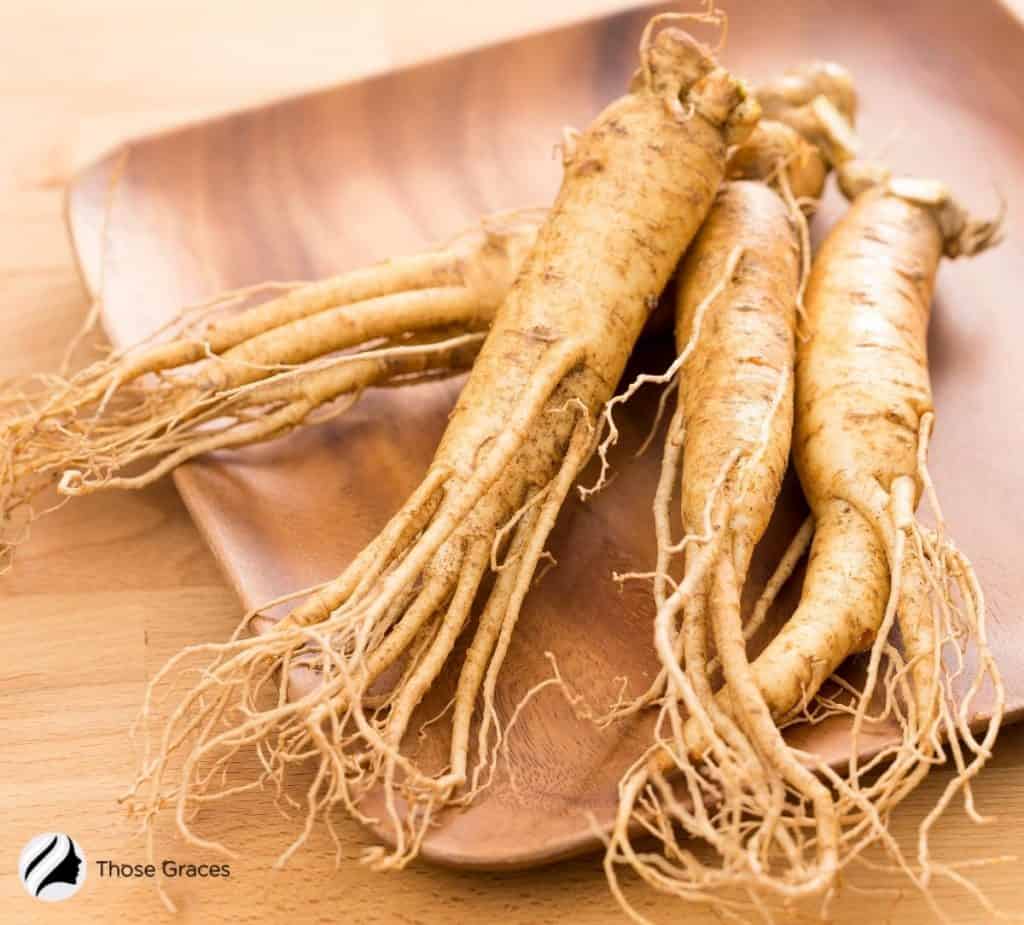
[(110, 586)]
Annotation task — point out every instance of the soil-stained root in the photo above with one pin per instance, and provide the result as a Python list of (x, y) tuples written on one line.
[(256, 374), (637, 186), (782, 824), (730, 437), (864, 415)]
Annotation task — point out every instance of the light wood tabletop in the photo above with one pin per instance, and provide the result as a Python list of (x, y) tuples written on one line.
[(110, 586)]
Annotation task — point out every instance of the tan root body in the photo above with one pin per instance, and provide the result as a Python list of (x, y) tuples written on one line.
[(863, 417), (730, 437), (637, 186), (257, 374)]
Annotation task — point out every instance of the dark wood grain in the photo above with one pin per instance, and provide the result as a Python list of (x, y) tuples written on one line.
[(332, 180)]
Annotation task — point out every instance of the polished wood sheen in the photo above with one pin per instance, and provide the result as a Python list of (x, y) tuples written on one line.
[(335, 179)]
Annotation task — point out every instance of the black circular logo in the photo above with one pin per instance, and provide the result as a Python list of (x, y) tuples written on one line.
[(52, 867)]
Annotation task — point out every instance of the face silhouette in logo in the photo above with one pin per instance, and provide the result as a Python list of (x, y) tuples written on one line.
[(54, 868), (66, 870)]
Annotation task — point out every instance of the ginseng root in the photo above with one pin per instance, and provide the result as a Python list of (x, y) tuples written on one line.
[(259, 373), (768, 819), (730, 437), (864, 416), (636, 188)]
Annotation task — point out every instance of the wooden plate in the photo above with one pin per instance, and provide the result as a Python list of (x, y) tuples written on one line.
[(333, 180)]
